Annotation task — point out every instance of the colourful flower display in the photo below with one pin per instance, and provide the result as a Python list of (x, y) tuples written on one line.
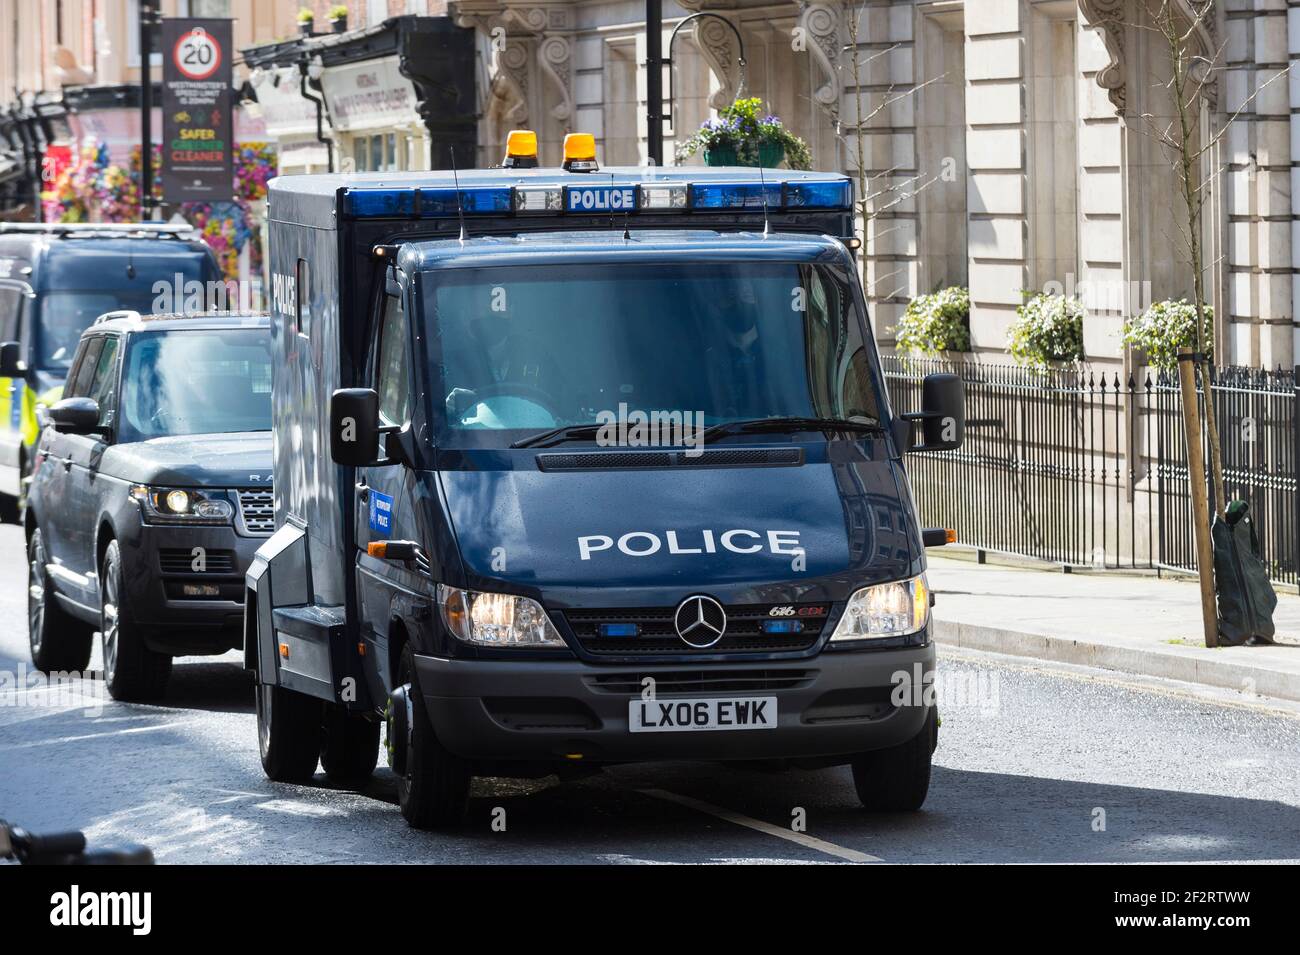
[(93, 189)]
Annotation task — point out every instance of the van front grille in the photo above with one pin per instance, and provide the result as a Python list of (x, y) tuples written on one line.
[(656, 634)]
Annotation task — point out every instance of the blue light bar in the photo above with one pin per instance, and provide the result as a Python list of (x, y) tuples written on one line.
[(734, 195), (819, 195), (478, 200), (619, 630), (379, 203), (782, 626)]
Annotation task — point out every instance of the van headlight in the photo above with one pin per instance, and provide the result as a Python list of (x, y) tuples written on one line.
[(496, 620), (885, 610), (179, 505)]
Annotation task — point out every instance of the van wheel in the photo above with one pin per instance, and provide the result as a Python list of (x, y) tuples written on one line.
[(10, 509), (897, 779), (131, 670), (349, 748), (58, 641), (434, 791), (288, 733)]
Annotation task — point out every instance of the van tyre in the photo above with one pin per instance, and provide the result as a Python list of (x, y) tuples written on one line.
[(897, 779), (349, 748), (131, 670), (58, 641), (434, 790), (288, 733), (10, 509)]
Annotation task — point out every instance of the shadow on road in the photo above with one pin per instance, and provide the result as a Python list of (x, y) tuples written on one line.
[(220, 687)]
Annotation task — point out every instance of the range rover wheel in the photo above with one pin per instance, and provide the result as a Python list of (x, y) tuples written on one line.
[(897, 779), (59, 642), (288, 733), (131, 670), (349, 748), (434, 790)]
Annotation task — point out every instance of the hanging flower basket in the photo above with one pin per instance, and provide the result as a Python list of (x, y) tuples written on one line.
[(770, 154), (720, 156), (740, 136)]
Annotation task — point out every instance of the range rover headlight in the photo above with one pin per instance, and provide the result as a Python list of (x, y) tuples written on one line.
[(885, 610), (182, 505), (496, 620)]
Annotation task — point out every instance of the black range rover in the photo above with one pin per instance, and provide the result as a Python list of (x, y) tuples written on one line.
[(151, 491)]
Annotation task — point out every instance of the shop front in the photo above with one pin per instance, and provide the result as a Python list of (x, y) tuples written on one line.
[(396, 96)]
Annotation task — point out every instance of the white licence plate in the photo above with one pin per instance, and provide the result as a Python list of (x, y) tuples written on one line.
[(676, 716)]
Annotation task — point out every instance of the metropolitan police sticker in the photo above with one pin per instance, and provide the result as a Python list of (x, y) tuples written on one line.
[(381, 513)]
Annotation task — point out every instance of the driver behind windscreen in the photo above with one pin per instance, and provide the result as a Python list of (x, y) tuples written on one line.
[(491, 356)]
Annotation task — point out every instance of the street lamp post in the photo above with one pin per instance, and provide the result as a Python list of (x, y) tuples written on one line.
[(654, 80), (148, 18), (655, 62)]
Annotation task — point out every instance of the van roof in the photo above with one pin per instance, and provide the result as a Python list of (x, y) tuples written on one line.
[(91, 260), (531, 200)]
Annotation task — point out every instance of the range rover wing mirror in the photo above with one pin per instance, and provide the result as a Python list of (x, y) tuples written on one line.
[(942, 415), (74, 415), (11, 360), (354, 426)]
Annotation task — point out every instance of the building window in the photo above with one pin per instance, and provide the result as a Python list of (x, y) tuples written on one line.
[(215, 9), (375, 153)]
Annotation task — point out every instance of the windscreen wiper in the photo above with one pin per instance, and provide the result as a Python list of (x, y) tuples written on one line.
[(570, 432), (794, 423)]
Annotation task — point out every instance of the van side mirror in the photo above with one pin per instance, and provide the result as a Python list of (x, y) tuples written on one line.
[(354, 426), (942, 414), (74, 415), (11, 361)]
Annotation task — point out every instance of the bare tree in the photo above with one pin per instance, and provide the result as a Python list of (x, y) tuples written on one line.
[(1191, 69), (873, 198)]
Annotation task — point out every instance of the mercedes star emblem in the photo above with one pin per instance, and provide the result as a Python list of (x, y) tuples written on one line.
[(700, 621)]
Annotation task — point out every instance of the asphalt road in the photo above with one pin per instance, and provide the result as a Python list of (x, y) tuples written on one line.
[(1034, 765)]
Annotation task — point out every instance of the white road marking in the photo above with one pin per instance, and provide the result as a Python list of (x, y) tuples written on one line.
[(758, 825), (295, 808), (77, 739)]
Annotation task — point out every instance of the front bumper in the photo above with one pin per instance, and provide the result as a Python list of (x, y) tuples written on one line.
[(158, 566), (836, 704)]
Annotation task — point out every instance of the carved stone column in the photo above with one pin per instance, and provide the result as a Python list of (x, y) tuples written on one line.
[(821, 24)]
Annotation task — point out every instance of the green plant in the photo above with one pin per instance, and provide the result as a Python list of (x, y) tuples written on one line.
[(1164, 328), (740, 126), (338, 12), (935, 323), (1047, 328), (305, 15)]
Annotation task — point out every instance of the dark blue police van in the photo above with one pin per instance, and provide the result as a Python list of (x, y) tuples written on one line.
[(55, 279), (574, 469)]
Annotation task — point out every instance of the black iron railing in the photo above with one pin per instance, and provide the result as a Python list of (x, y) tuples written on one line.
[(1090, 467)]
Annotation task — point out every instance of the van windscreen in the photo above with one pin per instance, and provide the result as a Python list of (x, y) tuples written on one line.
[(66, 314), (523, 349)]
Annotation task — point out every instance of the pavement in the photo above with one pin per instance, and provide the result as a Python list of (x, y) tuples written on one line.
[(1137, 624)]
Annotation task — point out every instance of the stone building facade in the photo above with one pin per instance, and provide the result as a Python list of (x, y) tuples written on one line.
[(1009, 144)]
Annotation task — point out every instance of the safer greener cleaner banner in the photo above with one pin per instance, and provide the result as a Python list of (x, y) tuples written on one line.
[(196, 102)]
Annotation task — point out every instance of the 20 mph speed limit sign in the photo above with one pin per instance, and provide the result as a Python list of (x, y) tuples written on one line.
[(197, 152), (197, 55)]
